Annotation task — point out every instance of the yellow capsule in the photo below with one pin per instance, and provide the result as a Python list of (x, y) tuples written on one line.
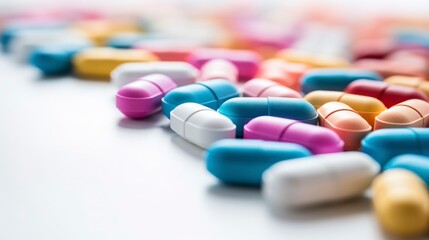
[(99, 31), (366, 107), (401, 203), (412, 82), (99, 62), (312, 60)]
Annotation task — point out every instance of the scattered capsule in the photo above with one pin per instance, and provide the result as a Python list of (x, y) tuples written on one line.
[(237, 161), (317, 139), (200, 125), (259, 87), (344, 121), (410, 113)]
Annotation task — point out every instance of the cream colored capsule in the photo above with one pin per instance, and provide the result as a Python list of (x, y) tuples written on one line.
[(410, 113), (344, 121), (401, 203), (312, 60)]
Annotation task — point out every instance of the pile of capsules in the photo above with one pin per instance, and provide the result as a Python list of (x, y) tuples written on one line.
[(314, 114)]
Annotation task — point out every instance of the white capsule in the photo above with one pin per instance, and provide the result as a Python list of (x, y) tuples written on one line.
[(182, 73), (200, 125), (318, 179)]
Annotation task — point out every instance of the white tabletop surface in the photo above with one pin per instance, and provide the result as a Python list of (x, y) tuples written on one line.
[(72, 167)]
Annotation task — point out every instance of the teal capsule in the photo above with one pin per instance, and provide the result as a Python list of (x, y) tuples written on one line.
[(211, 94), (334, 79), (242, 110), (417, 164), (242, 162)]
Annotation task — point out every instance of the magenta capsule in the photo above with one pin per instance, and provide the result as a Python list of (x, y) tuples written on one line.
[(219, 69), (316, 139), (260, 87), (142, 98), (246, 61)]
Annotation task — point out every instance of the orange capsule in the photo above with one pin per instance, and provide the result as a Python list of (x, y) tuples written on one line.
[(344, 121), (410, 113)]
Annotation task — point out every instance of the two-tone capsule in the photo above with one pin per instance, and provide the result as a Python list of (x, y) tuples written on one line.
[(237, 161), (242, 110), (200, 125), (317, 139)]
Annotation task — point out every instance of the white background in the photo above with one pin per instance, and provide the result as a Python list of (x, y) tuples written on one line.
[(71, 167)]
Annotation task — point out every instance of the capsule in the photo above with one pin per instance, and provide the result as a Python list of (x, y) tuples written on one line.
[(55, 59), (200, 125), (242, 110), (259, 87), (25, 42), (319, 179), (124, 40), (388, 94), (312, 60), (417, 164), (385, 144), (412, 82), (284, 73), (100, 31), (410, 113), (219, 68), (344, 121), (237, 161), (246, 61), (317, 139), (333, 79), (212, 94), (401, 203), (142, 98), (100, 62), (367, 107), (181, 73), (167, 49), (387, 68)]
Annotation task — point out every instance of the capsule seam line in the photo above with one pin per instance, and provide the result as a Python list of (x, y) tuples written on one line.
[(265, 89), (382, 92), (186, 120), (156, 85), (418, 140), (283, 132), (213, 93), (338, 110)]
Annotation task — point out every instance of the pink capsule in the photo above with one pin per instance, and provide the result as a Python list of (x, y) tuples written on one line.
[(142, 98), (260, 87), (317, 139), (246, 61), (219, 69)]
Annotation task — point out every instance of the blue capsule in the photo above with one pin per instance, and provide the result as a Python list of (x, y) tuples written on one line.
[(208, 93), (417, 164), (237, 161), (334, 79), (242, 110), (385, 144)]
